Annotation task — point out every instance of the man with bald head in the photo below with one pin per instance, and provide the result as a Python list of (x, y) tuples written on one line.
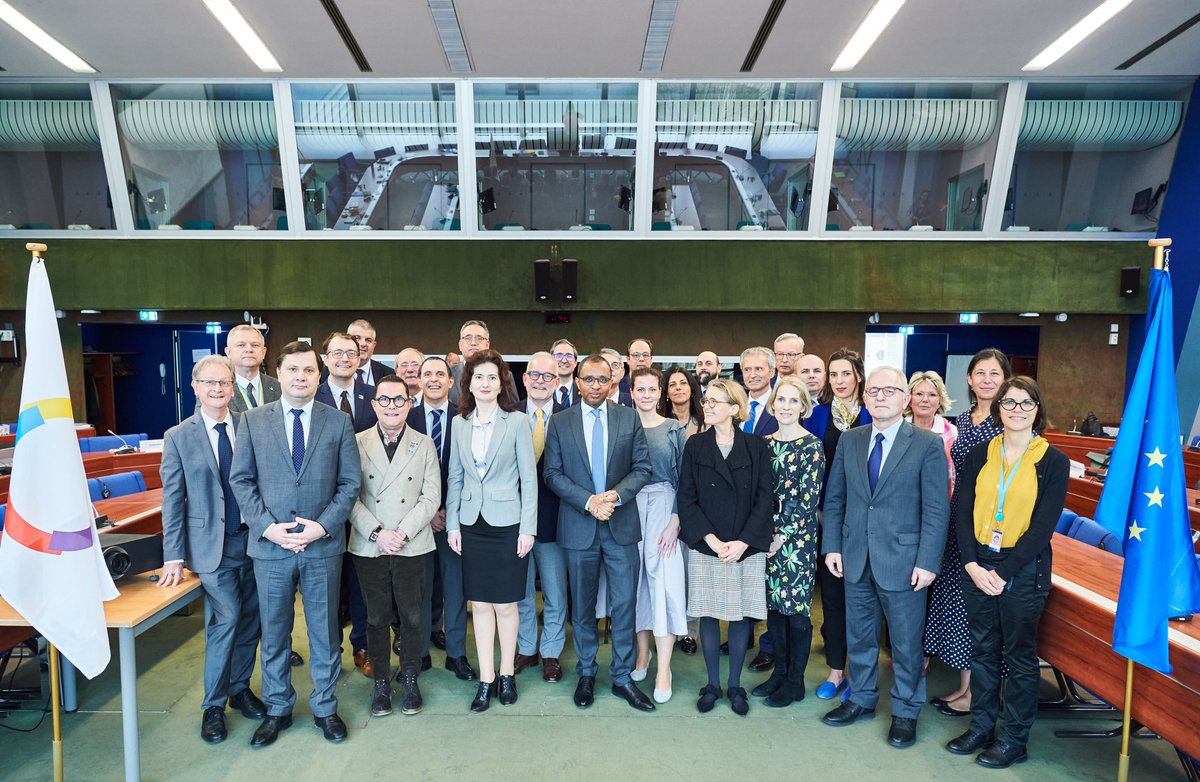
[(408, 369), (789, 348), (885, 523), (811, 370), (708, 368)]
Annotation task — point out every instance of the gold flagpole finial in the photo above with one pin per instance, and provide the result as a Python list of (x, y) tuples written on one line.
[(1160, 246), (35, 248)]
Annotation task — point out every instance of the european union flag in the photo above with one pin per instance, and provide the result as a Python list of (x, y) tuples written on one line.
[(1145, 499)]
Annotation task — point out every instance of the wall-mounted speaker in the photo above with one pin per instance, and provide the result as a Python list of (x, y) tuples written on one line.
[(1131, 281), (570, 281), (541, 279)]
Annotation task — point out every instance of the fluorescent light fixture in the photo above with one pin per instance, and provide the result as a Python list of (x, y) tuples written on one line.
[(864, 37), (235, 24), (454, 45), (1073, 37), (662, 19), (42, 39)]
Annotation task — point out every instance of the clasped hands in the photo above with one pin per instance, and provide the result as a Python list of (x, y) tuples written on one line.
[(601, 506), (390, 541), (726, 551), (986, 580), (279, 534)]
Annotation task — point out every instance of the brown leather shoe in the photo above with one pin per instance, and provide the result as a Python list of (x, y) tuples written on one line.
[(363, 663), (524, 661), (551, 669)]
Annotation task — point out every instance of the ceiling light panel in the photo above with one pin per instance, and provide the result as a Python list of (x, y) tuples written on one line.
[(1073, 37), (445, 20), (662, 19), (42, 39), (864, 37), (241, 31)]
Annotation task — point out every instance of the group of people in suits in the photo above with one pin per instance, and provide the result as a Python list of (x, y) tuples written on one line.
[(436, 484)]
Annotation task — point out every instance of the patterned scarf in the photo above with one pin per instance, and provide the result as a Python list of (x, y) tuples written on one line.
[(843, 416)]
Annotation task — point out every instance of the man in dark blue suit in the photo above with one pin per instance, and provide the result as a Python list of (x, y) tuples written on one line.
[(619, 393), (432, 417), (548, 558), (758, 367)]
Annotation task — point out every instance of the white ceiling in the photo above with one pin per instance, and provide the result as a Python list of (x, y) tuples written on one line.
[(166, 39)]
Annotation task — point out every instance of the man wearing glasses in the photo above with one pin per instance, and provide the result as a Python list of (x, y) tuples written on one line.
[(618, 392), (885, 524), (196, 459), (369, 370), (390, 539), (566, 358), (789, 348), (408, 368), (472, 338)]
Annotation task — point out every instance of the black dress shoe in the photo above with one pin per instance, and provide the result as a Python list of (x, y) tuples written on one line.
[(585, 691), (410, 692), (508, 690), (633, 696), (709, 695), (295, 660), (524, 661), (438, 639), (687, 645), (248, 704), (738, 702), (483, 697), (461, 668), (268, 731), (725, 647), (1002, 755), (903, 732), (212, 725), (426, 663), (381, 698), (970, 742), (846, 714), (332, 726), (762, 662)]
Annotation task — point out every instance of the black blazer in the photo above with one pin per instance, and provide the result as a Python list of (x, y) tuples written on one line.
[(733, 499), (547, 529), (416, 419), (364, 414)]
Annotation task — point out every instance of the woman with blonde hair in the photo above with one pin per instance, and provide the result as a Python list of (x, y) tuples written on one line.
[(928, 402)]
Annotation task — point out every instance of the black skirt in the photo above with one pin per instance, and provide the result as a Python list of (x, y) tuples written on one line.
[(492, 571)]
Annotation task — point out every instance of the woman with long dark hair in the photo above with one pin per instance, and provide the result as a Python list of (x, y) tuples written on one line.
[(681, 398)]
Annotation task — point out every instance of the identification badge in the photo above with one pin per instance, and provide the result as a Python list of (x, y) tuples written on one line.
[(997, 539)]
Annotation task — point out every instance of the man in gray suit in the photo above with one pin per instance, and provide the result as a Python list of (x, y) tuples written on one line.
[(886, 518), (296, 475), (246, 348), (596, 461), (202, 527)]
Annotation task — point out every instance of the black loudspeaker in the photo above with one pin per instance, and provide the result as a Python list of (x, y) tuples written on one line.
[(541, 279), (1131, 281), (128, 555), (570, 281)]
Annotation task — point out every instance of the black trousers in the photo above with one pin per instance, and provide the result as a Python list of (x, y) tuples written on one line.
[(1005, 627), (393, 588), (833, 612)]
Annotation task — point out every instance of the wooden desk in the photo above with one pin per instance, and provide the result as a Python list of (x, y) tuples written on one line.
[(101, 463), (1083, 494), (1077, 447), (134, 514), (1076, 637)]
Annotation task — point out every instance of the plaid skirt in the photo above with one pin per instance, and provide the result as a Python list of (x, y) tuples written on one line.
[(728, 591)]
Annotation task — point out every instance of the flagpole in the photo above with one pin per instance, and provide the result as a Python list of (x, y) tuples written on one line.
[(56, 716), (1159, 246)]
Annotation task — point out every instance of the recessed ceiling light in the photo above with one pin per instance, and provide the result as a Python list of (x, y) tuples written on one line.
[(1073, 37), (237, 26), (662, 19), (89, 312), (454, 45), (42, 39), (1028, 314), (864, 37)]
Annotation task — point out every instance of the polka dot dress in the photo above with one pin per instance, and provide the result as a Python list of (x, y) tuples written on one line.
[(946, 634)]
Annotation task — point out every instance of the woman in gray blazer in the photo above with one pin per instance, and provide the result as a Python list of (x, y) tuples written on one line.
[(491, 515)]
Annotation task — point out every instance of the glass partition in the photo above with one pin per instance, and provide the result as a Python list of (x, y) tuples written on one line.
[(380, 156), (554, 156), (1094, 157), (201, 156), (734, 156), (51, 169), (913, 157)]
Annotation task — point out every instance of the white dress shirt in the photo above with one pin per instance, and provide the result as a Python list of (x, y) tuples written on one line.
[(244, 384), (547, 411)]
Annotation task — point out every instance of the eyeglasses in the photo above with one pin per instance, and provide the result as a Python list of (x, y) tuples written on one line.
[(393, 401), (615, 365), (640, 355), (788, 356), (563, 356), (887, 391), (473, 339), (712, 401), (543, 376), (594, 380), (1028, 405), (342, 354), (409, 364), (216, 383)]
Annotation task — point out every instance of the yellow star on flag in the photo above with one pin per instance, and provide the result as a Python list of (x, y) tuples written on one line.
[(1135, 531), (1156, 457), (1156, 497)]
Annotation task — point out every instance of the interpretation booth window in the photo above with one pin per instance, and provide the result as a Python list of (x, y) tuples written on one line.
[(201, 156), (381, 156), (51, 168), (553, 156)]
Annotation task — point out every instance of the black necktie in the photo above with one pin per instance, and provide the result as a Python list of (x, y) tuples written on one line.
[(361, 377), (345, 405), (435, 432), (297, 440), (250, 393), (562, 396), (233, 514)]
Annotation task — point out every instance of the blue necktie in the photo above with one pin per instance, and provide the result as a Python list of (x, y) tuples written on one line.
[(562, 397), (233, 514), (875, 461), (297, 441), (597, 453), (435, 431), (749, 425)]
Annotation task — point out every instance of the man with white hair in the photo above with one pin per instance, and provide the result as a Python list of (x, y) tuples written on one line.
[(789, 348)]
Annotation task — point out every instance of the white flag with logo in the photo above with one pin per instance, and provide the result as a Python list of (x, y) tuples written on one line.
[(51, 566)]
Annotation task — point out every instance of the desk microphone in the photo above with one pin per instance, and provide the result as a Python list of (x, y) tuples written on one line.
[(125, 448)]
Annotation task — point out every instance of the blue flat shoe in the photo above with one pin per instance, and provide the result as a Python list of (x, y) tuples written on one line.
[(846, 692), (828, 690)]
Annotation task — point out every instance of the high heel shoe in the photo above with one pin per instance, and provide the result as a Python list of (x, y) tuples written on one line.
[(508, 690), (483, 697)]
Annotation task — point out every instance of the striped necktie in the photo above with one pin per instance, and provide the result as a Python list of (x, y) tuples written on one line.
[(435, 431)]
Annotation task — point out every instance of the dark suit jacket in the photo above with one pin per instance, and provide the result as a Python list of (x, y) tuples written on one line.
[(568, 473), (364, 414), (731, 498), (573, 397), (270, 392), (416, 419), (765, 424), (379, 371), (903, 523), (193, 506), (547, 530)]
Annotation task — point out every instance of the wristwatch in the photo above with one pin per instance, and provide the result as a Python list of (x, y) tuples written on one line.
[(375, 533)]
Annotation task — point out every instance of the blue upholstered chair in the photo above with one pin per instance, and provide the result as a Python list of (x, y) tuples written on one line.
[(117, 485)]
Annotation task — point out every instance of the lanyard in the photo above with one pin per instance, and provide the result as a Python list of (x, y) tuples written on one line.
[(1002, 486), (245, 397)]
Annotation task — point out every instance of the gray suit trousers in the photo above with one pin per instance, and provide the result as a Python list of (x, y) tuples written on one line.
[(231, 623), (620, 563), (319, 581), (454, 604), (866, 602)]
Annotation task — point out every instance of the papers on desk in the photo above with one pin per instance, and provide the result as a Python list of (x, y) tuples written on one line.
[(151, 446)]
